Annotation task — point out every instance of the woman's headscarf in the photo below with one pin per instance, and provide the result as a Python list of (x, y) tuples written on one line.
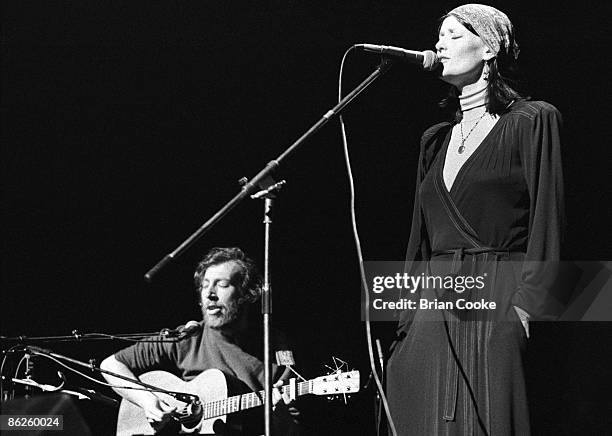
[(492, 25)]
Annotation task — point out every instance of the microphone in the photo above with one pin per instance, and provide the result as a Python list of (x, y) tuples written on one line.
[(427, 59), (284, 358), (35, 349), (182, 332), (189, 329)]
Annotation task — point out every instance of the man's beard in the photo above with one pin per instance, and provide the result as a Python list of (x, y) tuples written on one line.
[(229, 313)]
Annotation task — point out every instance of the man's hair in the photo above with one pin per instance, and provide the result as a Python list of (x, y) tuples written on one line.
[(250, 280), (501, 84)]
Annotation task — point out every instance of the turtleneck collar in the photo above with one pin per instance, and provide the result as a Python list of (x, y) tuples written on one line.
[(473, 98)]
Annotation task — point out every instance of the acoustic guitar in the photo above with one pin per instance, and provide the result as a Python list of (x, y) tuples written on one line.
[(211, 387)]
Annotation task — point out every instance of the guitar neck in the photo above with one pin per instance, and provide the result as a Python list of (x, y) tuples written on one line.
[(250, 400)]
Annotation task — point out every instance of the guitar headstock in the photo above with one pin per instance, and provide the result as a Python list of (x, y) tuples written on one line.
[(336, 383)]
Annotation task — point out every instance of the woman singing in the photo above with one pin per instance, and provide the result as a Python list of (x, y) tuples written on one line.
[(489, 203)]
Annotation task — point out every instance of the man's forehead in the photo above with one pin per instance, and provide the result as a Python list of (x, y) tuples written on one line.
[(227, 270)]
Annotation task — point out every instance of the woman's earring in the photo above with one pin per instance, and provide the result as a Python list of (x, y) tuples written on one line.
[(485, 72)]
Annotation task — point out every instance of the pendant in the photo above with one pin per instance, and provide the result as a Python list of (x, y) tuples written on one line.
[(461, 149)]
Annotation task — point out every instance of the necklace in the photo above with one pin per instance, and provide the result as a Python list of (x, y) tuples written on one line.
[(461, 148)]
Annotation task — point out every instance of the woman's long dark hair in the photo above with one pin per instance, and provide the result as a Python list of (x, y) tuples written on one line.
[(503, 82)]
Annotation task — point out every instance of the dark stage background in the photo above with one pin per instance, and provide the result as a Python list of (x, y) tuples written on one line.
[(125, 125)]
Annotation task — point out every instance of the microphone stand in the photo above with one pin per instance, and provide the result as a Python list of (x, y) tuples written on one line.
[(167, 335), (181, 396), (266, 300), (262, 181), (266, 309), (250, 185)]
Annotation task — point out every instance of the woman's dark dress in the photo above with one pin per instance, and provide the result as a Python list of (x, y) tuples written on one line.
[(457, 373)]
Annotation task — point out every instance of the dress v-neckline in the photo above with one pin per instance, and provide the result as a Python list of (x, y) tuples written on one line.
[(468, 161)]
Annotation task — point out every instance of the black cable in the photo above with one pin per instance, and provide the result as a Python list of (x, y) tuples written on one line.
[(364, 282)]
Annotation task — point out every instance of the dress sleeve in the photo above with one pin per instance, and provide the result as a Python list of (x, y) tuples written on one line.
[(418, 244), (414, 251), (540, 149)]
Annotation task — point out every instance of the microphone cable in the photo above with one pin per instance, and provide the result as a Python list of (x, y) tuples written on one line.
[(364, 282)]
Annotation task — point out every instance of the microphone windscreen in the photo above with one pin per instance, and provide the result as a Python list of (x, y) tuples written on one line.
[(284, 358), (430, 60), (191, 326)]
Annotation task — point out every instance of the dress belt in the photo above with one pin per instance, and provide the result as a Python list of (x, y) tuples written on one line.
[(459, 254)]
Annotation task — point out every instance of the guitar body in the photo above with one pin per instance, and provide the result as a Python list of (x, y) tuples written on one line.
[(210, 386)]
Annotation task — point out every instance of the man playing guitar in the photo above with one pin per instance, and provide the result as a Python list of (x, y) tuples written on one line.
[(227, 283)]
